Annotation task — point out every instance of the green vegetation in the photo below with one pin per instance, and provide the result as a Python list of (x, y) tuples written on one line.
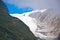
[(12, 28)]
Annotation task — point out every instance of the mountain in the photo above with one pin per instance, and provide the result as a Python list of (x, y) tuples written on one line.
[(12, 28), (44, 24)]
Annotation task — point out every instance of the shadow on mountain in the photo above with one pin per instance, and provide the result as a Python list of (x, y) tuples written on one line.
[(12, 28)]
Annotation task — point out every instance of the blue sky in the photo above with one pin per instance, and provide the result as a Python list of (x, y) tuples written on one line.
[(13, 9), (21, 6)]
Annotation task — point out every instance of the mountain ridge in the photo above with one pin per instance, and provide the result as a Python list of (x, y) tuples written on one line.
[(12, 28)]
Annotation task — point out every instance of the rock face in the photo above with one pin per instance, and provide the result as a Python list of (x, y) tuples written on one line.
[(48, 23), (44, 24), (12, 28)]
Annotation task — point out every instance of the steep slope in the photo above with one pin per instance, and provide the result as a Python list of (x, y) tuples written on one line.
[(12, 28), (44, 24), (48, 23)]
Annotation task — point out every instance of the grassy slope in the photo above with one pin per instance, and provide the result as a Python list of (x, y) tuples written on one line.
[(12, 28)]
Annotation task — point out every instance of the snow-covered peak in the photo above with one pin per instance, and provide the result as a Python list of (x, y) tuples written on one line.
[(40, 22)]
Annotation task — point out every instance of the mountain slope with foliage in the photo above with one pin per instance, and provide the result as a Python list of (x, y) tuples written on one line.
[(12, 28)]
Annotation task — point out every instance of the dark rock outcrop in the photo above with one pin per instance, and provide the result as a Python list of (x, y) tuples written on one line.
[(12, 28)]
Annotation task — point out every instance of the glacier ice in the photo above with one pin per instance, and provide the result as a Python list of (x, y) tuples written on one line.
[(42, 23)]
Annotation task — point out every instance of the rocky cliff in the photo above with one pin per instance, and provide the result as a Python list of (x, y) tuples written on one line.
[(12, 28)]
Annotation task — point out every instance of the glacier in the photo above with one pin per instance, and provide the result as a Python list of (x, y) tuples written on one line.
[(40, 22)]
